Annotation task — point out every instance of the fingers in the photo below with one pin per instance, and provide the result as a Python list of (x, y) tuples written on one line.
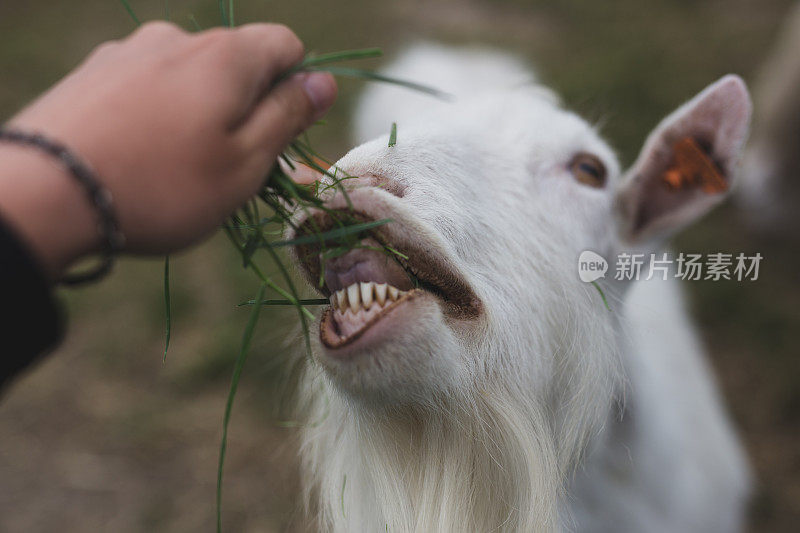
[(151, 38), (270, 50), (156, 36), (291, 107), (250, 58)]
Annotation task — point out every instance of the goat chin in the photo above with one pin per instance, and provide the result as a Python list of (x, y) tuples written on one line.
[(436, 468), (491, 457)]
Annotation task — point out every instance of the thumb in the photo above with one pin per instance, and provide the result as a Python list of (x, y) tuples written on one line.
[(291, 107)]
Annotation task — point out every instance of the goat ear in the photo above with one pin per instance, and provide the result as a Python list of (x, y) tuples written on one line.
[(687, 163)]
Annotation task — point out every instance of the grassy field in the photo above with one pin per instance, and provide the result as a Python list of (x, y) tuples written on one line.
[(102, 437)]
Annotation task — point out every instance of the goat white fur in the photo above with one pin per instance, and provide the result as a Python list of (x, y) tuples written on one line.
[(548, 412)]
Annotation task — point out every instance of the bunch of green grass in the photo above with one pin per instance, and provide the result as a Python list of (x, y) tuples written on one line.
[(258, 225)]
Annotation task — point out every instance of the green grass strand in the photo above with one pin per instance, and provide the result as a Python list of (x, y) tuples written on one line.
[(301, 311), (332, 235), (247, 339), (131, 12), (222, 13), (602, 294), (344, 486), (264, 279), (195, 24), (303, 301), (167, 308), (368, 75), (337, 57)]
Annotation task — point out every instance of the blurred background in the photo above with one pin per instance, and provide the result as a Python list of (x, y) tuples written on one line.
[(102, 437)]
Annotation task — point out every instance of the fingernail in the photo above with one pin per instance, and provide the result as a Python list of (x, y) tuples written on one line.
[(321, 90)]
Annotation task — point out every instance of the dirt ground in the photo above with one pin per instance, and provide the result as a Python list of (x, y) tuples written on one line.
[(102, 437)]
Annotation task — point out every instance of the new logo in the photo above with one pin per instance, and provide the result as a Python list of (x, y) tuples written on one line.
[(591, 266)]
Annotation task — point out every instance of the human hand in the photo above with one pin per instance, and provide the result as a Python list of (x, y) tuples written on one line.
[(181, 128)]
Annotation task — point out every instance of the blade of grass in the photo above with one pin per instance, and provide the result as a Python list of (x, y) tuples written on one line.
[(311, 61), (393, 135), (166, 11), (167, 308), (344, 485), (247, 338), (344, 55), (130, 11), (374, 76), (300, 309), (271, 284), (250, 248), (332, 235), (306, 301), (231, 22), (223, 15), (194, 22), (396, 252), (602, 294)]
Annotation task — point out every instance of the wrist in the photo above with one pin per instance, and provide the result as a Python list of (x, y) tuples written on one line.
[(41, 201)]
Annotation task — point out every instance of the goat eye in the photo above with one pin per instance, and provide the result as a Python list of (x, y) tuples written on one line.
[(588, 169)]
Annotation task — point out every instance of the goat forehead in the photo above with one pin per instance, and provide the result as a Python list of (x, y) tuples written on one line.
[(514, 128), (524, 124)]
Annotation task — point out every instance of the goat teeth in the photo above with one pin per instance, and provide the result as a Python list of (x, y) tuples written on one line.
[(353, 297), (341, 300), (394, 293), (366, 294), (380, 292), (332, 300)]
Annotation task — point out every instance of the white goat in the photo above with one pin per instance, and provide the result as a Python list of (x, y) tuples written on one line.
[(502, 395)]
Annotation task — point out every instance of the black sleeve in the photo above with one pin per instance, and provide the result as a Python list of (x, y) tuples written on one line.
[(30, 322)]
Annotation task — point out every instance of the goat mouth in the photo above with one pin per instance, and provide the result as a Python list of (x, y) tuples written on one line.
[(386, 270), (339, 329)]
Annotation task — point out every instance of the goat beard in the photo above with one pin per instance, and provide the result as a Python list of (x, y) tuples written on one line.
[(486, 462)]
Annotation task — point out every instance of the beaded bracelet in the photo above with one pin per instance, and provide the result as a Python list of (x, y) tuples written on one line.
[(99, 196)]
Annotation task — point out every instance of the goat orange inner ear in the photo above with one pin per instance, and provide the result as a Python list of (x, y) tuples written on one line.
[(692, 167)]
